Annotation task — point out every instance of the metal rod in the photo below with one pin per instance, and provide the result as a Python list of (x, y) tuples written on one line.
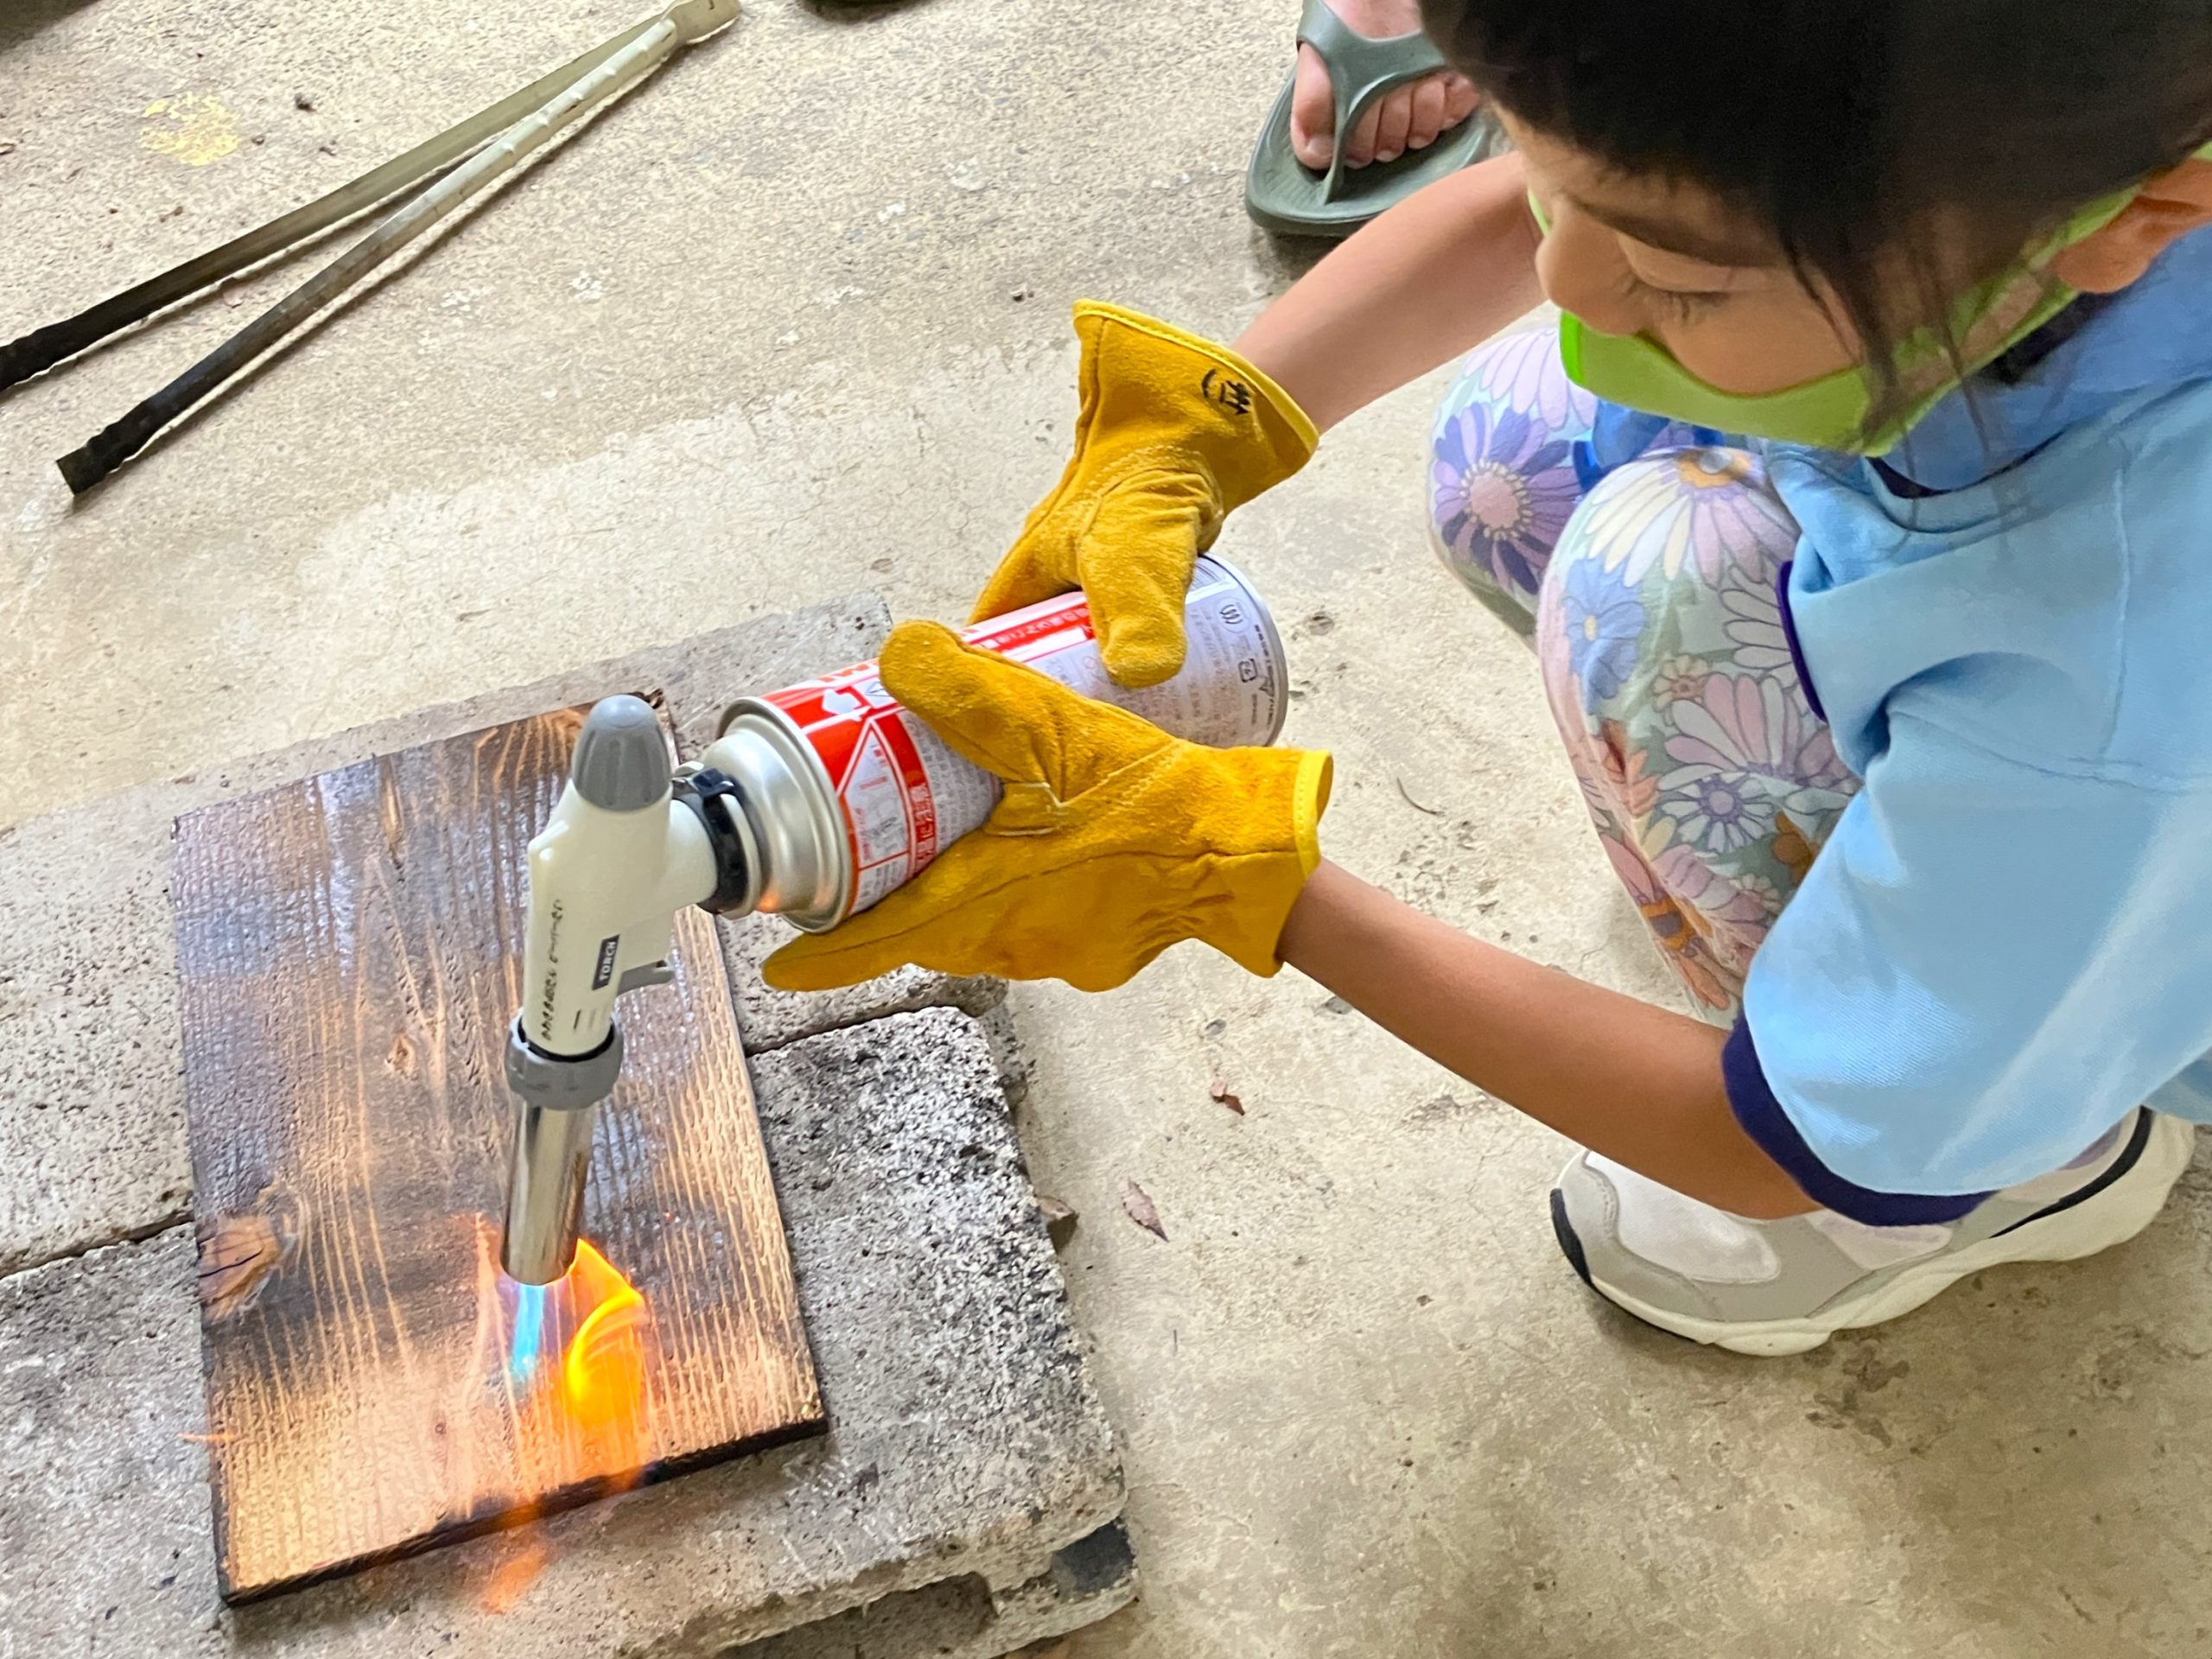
[(545, 1191), (42, 348), (109, 448)]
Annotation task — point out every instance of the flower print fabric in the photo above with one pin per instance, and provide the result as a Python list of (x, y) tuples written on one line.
[(1603, 624), (1926, 1012), (1706, 508), (1652, 604), (1501, 475)]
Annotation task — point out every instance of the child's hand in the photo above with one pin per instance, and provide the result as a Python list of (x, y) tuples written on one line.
[(1174, 434), (1114, 840)]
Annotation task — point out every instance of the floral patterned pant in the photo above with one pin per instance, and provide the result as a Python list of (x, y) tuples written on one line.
[(1650, 594)]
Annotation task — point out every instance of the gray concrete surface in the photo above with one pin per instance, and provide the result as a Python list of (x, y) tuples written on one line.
[(967, 1449), (753, 341)]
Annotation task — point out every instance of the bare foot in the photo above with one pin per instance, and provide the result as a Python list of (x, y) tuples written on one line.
[(1406, 118)]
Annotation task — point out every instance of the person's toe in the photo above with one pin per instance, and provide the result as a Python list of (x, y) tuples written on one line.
[(1397, 122), (1428, 113), (1460, 97), (1359, 147), (1312, 111)]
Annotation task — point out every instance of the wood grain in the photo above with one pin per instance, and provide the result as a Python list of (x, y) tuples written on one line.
[(350, 954)]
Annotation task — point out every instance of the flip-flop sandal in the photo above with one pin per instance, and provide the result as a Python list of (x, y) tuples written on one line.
[(1285, 195)]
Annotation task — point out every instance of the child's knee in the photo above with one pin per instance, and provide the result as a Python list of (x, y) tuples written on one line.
[(1645, 565), (1502, 476), (1688, 519)]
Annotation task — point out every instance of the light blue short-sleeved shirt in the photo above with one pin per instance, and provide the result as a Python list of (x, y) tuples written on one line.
[(2007, 942)]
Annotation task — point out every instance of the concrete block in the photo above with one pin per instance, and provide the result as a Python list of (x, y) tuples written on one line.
[(91, 1106), (1015, 1068), (967, 1449), (962, 1618), (106, 1545), (771, 1019), (92, 1078)]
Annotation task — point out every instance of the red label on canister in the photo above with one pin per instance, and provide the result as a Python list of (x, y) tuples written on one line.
[(905, 795)]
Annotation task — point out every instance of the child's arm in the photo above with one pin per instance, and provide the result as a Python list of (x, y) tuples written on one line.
[(1114, 841), (1435, 276), (1635, 1083)]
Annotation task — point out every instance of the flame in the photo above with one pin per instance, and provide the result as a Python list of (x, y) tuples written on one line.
[(529, 1333), (505, 1583), (603, 1369), (597, 1322), (576, 1371)]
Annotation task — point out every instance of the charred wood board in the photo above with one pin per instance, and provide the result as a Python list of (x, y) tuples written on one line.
[(350, 953)]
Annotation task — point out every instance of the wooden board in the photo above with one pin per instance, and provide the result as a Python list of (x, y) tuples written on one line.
[(350, 950)]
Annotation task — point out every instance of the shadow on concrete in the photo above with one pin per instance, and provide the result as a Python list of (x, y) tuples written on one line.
[(23, 19), (854, 11), (1296, 255)]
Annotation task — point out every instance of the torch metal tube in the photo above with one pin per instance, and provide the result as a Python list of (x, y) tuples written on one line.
[(545, 1191)]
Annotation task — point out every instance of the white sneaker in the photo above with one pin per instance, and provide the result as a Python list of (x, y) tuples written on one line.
[(1785, 1286)]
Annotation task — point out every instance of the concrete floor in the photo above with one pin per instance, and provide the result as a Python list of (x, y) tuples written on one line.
[(792, 322)]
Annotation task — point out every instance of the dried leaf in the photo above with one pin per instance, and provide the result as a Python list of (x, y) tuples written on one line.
[(1220, 1092), (1137, 1204), (1059, 1220)]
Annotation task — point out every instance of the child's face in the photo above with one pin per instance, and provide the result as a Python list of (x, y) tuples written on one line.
[(1638, 256)]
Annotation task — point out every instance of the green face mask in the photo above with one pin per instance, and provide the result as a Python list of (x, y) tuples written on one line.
[(1832, 412)]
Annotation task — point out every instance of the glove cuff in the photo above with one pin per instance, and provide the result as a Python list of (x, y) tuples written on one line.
[(1304, 436), (1267, 885), (1317, 772)]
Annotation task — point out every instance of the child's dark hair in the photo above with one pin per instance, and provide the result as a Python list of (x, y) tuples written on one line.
[(1845, 127)]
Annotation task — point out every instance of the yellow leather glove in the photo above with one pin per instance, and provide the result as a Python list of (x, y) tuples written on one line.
[(1114, 840), (1174, 434)]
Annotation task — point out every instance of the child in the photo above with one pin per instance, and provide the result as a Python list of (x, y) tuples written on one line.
[(1859, 509)]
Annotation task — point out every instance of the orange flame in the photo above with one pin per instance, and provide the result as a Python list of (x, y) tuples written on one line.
[(603, 1368), (577, 1365), (505, 1583)]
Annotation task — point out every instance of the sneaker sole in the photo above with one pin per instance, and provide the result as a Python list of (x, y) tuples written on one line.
[(2068, 1231)]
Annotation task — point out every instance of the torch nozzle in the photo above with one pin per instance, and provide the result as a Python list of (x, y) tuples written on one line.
[(557, 1107), (545, 1191)]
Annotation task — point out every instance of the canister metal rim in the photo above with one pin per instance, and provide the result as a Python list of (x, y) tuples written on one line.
[(776, 728)]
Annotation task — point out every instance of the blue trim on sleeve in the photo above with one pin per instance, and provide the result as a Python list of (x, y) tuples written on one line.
[(1762, 1117), (1796, 649)]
